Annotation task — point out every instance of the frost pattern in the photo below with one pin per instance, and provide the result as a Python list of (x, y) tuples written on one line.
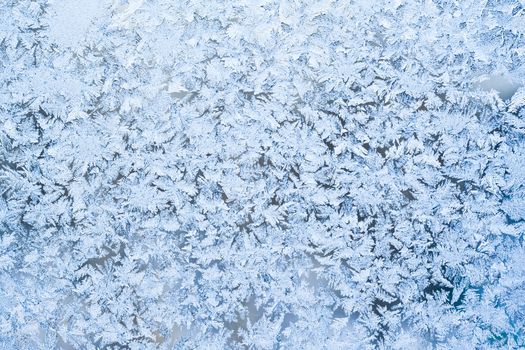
[(262, 174)]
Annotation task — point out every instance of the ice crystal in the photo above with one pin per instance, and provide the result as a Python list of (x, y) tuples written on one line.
[(262, 174)]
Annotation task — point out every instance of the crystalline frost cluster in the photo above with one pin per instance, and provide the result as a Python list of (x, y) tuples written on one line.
[(262, 174)]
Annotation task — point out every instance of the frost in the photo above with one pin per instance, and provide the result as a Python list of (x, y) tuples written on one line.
[(262, 174), (69, 20)]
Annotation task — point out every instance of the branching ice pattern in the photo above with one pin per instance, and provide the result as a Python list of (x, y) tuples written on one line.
[(262, 174)]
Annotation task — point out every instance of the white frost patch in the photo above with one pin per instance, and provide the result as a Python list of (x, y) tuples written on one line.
[(517, 101), (43, 83), (70, 20)]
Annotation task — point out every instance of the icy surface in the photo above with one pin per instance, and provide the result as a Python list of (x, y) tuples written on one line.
[(262, 174)]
